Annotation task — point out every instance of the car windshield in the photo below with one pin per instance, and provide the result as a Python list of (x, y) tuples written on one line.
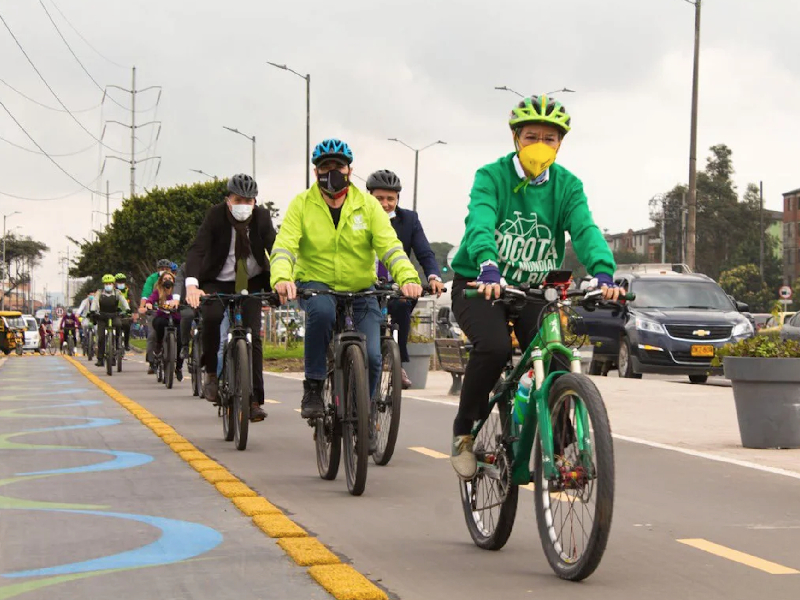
[(671, 294), (32, 324), (16, 322)]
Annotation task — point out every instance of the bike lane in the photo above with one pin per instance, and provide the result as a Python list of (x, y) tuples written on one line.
[(92, 500)]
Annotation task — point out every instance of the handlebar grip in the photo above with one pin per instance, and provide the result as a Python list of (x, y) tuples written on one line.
[(468, 294), (630, 297)]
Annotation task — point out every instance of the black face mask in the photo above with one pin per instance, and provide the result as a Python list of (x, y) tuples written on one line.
[(167, 286), (333, 182)]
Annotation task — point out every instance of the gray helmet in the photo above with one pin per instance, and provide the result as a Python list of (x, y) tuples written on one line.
[(243, 185), (384, 180), (164, 263)]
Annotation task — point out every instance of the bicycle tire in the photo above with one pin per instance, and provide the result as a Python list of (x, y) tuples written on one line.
[(487, 531), (109, 351), (355, 428), (18, 349), (242, 394), (169, 359), (328, 430), (601, 487), (195, 368), (51, 346), (90, 345), (224, 396), (119, 350), (70, 346), (387, 403)]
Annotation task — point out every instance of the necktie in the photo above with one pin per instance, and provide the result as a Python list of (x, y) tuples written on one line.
[(241, 275)]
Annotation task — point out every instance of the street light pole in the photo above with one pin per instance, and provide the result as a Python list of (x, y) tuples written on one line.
[(504, 88), (307, 77), (201, 172), (5, 270), (691, 227), (251, 138), (416, 162)]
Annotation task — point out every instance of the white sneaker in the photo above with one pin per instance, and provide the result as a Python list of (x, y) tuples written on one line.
[(463, 458)]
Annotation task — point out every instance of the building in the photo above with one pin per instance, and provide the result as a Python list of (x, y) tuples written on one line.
[(643, 241), (774, 227), (791, 235)]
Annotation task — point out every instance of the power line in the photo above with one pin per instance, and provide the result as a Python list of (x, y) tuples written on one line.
[(50, 199), (75, 56), (95, 107), (35, 143), (64, 106), (9, 142), (84, 39)]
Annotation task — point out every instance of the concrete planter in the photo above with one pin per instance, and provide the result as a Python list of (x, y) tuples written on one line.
[(417, 368), (767, 395)]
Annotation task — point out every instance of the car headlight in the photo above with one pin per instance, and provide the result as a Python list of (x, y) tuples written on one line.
[(743, 328), (651, 326)]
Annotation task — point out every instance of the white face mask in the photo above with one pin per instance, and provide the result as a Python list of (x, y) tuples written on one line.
[(241, 212), (108, 288)]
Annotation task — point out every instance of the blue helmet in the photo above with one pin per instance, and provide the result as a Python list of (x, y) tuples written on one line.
[(332, 148), (173, 267)]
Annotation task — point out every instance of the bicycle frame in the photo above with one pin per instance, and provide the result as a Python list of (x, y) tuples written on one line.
[(237, 331), (347, 336), (547, 343)]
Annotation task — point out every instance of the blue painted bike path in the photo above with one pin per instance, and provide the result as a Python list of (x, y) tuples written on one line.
[(93, 504)]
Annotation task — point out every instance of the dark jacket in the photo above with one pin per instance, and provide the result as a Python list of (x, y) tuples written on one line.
[(209, 251), (410, 233)]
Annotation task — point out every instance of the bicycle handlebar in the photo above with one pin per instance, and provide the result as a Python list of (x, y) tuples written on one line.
[(592, 297), (270, 297), (393, 292)]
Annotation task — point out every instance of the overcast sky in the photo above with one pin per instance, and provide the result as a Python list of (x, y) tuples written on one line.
[(413, 69)]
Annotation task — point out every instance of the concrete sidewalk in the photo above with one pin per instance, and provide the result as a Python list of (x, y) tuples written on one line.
[(695, 418)]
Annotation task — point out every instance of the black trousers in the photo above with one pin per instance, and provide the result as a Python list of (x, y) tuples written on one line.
[(485, 324), (101, 335), (160, 325), (251, 315), (401, 310)]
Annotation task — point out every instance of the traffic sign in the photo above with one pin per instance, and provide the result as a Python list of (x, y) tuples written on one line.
[(785, 292), (60, 311)]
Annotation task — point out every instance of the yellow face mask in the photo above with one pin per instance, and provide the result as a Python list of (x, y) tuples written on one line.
[(536, 158)]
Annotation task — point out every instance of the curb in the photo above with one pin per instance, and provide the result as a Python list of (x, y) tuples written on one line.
[(342, 581)]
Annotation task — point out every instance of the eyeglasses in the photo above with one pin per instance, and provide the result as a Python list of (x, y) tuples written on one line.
[(547, 139)]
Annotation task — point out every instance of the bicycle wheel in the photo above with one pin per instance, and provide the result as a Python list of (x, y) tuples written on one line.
[(355, 428), (90, 345), (387, 402), (225, 396), (242, 395), (119, 350), (490, 499), (574, 511), (52, 346), (109, 351), (328, 430), (195, 370), (70, 346), (169, 359)]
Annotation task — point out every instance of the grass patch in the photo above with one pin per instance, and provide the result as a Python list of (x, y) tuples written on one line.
[(141, 344), (272, 352)]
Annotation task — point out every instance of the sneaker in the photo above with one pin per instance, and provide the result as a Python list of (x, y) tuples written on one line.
[(406, 381), (99, 363), (179, 374), (184, 352), (463, 458), (312, 406), (151, 370), (210, 390), (257, 412)]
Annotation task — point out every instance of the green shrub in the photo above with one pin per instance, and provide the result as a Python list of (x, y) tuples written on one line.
[(760, 346)]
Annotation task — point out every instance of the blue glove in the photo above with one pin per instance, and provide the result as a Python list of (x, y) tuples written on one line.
[(604, 279), (490, 274)]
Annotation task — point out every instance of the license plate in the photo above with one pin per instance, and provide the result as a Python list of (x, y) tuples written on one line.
[(705, 351)]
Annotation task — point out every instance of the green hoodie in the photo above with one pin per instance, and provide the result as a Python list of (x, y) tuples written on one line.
[(521, 226)]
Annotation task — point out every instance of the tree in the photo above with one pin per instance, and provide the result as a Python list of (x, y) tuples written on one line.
[(626, 257), (441, 249), (745, 285), (161, 224), (23, 254)]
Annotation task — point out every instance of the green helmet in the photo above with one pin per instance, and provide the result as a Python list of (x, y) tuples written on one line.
[(540, 109), (108, 278), (120, 277)]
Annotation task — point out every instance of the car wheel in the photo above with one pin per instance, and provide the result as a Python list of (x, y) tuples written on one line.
[(624, 362), (698, 378)]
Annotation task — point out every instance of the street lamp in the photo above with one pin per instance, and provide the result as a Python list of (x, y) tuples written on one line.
[(416, 161), (3, 297), (201, 172), (252, 139), (307, 77), (691, 226), (504, 88)]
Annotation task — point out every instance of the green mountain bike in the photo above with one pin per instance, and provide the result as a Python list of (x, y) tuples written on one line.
[(557, 443)]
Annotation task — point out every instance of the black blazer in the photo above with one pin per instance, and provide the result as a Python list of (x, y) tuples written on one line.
[(209, 251), (410, 233)]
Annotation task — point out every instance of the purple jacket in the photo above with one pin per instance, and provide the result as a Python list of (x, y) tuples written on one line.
[(154, 299)]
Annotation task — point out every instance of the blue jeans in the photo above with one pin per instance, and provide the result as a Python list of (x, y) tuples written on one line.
[(224, 326), (320, 320)]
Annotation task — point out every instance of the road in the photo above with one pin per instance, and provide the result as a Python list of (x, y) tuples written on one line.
[(407, 532)]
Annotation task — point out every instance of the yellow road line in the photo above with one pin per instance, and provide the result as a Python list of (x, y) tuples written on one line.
[(429, 452), (297, 410), (739, 557), (268, 401), (343, 582)]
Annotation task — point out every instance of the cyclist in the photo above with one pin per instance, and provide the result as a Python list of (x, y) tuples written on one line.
[(161, 266), (520, 207), (386, 187), (45, 329), (108, 300), (228, 255), (69, 324), (162, 296), (121, 281), (328, 240)]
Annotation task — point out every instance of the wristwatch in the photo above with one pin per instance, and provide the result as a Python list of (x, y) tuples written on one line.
[(434, 278)]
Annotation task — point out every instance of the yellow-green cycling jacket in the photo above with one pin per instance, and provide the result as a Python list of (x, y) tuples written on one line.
[(310, 248)]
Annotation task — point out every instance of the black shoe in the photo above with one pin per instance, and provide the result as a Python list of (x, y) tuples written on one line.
[(312, 406), (257, 413), (210, 390), (179, 374), (99, 363), (184, 352)]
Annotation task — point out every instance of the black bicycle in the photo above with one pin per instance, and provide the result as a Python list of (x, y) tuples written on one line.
[(164, 362), (236, 381), (195, 354), (89, 343), (114, 349)]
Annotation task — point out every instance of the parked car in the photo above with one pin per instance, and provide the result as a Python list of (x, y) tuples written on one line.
[(31, 334), (774, 325), (673, 327), (791, 328)]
